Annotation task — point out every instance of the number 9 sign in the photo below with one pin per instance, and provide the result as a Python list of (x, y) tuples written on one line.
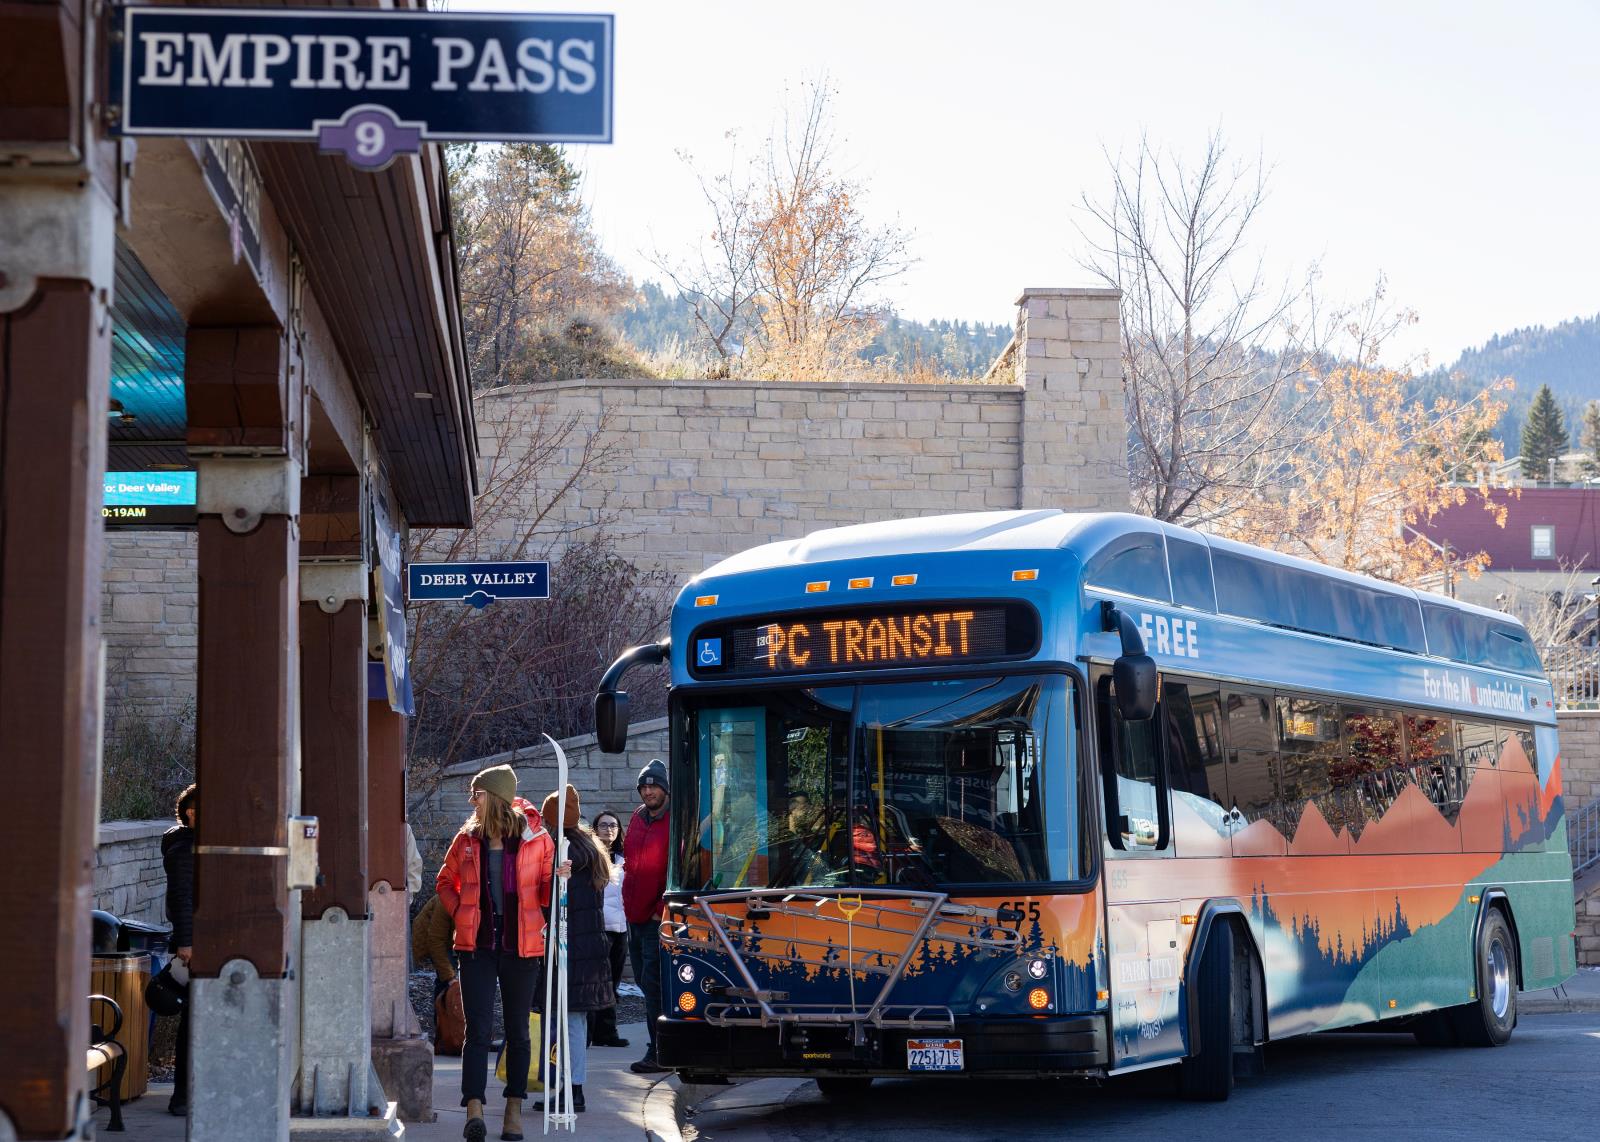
[(369, 137)]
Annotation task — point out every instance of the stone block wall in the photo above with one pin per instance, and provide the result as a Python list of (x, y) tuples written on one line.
[(1580, 785), (150, 618), (129, 880), (708, 468)]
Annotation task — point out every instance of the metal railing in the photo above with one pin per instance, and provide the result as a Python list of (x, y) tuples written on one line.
[(1574, 672), (1583, 837)]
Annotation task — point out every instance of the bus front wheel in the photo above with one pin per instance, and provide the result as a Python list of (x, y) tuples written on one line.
[(1208, 1075), (1488, 1022)]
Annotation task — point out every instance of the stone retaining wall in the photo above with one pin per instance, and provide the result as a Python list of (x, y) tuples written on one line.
[(129, 881), (603, 781), (1580, 785)]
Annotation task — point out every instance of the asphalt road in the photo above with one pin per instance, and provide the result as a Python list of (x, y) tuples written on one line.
[(1542, 1085)]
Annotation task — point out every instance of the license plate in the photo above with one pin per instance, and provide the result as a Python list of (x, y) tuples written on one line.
[(934, 1055)]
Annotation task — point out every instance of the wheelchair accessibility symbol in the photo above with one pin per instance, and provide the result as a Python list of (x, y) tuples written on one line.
[(709, 652)]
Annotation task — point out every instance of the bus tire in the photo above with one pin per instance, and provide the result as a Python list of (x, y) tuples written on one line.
[(1436, 1029), (1488, 1022), (1207, 1076), (842, 1087)]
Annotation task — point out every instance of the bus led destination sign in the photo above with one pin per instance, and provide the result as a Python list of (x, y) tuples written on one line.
[(935, 635)]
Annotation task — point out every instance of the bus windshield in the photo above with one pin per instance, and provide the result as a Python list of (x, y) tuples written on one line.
[(920, 784)]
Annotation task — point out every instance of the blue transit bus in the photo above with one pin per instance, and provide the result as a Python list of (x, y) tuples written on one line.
[(1034, 792)]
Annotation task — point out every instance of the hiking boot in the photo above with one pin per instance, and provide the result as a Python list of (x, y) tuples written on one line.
[(648, 1065)]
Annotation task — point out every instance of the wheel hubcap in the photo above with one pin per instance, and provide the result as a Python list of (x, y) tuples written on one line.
[(1498, 963)]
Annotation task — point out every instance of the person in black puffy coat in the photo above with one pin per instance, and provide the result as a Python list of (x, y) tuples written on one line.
[(588, 948), (177, 860)]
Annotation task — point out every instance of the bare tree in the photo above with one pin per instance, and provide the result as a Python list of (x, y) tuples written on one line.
[(1212, 351), (497, 678), (526, 253), (719, 276), (787, 285)]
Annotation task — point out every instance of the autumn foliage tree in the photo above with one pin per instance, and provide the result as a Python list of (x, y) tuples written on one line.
[(1357, 493), (786, 282), (528, 258)]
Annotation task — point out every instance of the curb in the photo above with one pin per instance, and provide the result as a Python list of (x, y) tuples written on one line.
[(663, 1110), (1557, 1005)]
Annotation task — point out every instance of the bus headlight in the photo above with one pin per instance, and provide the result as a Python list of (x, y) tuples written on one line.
[(1037, 968)]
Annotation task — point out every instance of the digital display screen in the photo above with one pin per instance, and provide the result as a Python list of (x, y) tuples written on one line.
[(933, 635), (162, 498)]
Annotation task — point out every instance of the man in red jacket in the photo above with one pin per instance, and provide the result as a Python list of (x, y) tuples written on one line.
[(644, 879)]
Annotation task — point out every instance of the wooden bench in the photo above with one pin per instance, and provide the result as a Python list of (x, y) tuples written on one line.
[(104, 1048)]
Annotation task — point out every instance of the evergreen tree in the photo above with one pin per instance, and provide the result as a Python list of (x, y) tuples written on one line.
[(1544, 435), (1591, 438)]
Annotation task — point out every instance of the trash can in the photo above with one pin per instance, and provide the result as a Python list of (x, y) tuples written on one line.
[(122, 976)]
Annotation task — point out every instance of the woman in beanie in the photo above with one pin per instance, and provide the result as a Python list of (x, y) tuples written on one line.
[(603, 1023), (494, 883), (588, 948)]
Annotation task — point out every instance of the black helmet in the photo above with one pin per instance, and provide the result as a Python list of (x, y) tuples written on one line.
[(163, 994), (105, 930)]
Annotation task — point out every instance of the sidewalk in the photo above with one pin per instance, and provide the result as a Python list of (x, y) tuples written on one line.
[(1580, 993), (621, 1105)]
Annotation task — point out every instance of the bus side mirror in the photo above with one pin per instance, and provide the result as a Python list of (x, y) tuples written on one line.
[(611, 721), (1138, 683)]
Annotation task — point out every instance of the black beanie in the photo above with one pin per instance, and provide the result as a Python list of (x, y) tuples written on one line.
[(654, 773)]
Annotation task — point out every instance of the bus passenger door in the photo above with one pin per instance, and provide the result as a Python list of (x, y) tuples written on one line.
[(1145, 958)]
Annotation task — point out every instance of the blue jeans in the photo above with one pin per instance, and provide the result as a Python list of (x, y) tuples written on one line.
[(644, 949)]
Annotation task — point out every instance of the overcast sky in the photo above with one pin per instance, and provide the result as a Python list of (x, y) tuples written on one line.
[(1454, 147)]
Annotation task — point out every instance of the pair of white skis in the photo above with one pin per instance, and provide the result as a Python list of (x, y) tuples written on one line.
[(557, 1076)]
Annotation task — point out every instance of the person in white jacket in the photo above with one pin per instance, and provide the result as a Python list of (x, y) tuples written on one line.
[(603, 1024)]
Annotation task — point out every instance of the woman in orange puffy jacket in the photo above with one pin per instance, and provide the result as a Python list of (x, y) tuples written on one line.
[(494, 883)]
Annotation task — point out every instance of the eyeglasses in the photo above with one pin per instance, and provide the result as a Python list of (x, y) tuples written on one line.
[(607, 825)]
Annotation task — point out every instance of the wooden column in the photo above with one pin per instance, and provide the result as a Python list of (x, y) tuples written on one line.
[(386, 795), (246, 712), (333, 691), (54, 369)]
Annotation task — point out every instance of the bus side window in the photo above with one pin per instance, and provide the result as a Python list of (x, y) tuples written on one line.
[(1192, 718), (1370, 775), (1430, 745), (1252, 751), (1308, 751), (1136, 822)]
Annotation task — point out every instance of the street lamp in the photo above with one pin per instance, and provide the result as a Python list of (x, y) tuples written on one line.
[(1449, 561)]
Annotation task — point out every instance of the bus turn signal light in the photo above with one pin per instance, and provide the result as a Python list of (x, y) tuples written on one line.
[(686, 1001), (817, 588), (903, 581), (1027, 576), (1038, 999), (705, 600)]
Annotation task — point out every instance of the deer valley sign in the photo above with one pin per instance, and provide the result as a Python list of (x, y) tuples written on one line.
[(368, 83)]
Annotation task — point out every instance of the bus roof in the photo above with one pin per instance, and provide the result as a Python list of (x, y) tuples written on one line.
[(1265, 586)]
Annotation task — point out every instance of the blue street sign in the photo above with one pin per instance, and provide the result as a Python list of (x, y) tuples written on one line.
[(369, 83), (478, 583)]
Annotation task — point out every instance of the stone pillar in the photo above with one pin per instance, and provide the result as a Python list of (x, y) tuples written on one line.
[(1074, 415), (401, 1054), (335, 998), (245, 1010)]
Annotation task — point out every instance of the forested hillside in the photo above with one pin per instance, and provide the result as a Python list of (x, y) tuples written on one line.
[(663, 322), (1566, 357)]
